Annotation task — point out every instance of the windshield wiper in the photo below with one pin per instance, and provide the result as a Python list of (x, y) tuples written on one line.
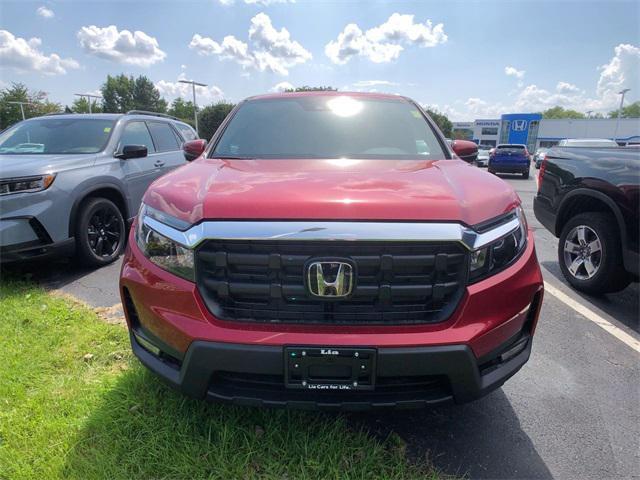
[(231, 157)]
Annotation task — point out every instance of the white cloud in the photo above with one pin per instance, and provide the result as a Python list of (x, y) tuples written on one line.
[(123, 46), (281, 87), (45, 12), (268, 49), (514, 72), (565, 87), (25, 56), (176, 89), (480, 108), (374, 83), (622, 71), (385, 42)]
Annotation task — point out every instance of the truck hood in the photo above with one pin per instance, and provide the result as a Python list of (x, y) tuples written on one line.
[(343, 189), (25, 165)]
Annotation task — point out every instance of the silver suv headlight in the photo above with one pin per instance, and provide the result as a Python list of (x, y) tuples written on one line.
[(499, 254), (160, 249), (26, 184)]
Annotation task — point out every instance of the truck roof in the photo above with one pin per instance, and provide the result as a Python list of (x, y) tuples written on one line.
[(329, 93)]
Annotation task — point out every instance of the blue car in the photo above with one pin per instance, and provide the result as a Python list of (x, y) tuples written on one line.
[(510, 158)]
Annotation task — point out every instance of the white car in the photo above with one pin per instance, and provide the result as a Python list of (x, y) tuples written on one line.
[(483, 155)]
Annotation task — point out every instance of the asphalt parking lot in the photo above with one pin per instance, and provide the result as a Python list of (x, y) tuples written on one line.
[(572, 412)]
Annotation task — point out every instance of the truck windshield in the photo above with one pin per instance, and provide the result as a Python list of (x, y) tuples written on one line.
[(336, 126), (56, 136)]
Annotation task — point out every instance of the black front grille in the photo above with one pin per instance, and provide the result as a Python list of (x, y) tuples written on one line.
[(416, 386), (395, 283)]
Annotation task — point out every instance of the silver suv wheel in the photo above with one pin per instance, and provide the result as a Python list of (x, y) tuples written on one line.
[(582, 252)]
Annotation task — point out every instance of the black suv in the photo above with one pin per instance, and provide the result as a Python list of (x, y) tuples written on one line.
[(589, 197)]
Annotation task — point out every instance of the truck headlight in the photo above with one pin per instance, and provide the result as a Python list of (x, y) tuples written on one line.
[(26, 184), (499, 254), (161, 250)]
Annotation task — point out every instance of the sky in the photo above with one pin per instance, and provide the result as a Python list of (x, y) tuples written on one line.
[(468, 59)]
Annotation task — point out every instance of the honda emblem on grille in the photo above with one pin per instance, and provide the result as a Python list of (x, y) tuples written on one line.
[(330, 279)]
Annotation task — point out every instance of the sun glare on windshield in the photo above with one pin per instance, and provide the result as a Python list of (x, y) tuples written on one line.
[(344, 106)]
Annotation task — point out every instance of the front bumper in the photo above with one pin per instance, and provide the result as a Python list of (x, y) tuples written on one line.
[(210, 358), (25, 238), (35, 225), (37, 250), (413, 377)]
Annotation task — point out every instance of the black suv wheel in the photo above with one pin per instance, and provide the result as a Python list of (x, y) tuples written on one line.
[(590, 255), (100, 232)]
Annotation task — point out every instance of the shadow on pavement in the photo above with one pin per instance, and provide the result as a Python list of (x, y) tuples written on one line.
[(624, 306), (50, 273), (482, 439), (97, 287)]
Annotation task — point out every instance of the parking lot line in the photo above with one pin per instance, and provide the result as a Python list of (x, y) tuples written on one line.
[(607, 326)]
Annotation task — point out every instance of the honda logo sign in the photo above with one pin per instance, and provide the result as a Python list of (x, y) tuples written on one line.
[(518, 125)]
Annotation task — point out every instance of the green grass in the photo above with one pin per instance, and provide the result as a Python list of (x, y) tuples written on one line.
[(66, 416)]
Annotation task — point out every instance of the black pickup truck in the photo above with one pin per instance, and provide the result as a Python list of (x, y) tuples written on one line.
[(589, 198)]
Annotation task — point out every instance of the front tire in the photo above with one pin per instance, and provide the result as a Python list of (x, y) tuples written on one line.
[(525, 175), (100, 232), (590, 254)]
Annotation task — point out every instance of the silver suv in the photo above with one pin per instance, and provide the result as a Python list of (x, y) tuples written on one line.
[(71, 183)]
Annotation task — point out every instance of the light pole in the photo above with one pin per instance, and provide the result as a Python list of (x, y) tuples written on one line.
[(195, 105), (89, 97), (22, 104), (621, 92)]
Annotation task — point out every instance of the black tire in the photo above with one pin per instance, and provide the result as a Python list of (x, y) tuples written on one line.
[(525, 175), (100, 232), (610, 275), (491, 171)]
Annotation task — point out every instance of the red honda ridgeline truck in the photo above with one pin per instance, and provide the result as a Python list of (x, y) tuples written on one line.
[(329, 250)]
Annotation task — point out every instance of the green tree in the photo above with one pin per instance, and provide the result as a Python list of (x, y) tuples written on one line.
[(81, 105), (211, 116), (117, 94), (443, 122), (37, 104), (630, 111), (560, 112), (182, 109), (147, 97), (306, 88), (122, 93)]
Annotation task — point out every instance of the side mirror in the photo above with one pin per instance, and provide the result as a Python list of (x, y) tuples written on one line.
[(132, 151), (193, 149), (466, 150)]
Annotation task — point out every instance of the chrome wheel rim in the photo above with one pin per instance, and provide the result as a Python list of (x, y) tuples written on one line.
[(582, 252)]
